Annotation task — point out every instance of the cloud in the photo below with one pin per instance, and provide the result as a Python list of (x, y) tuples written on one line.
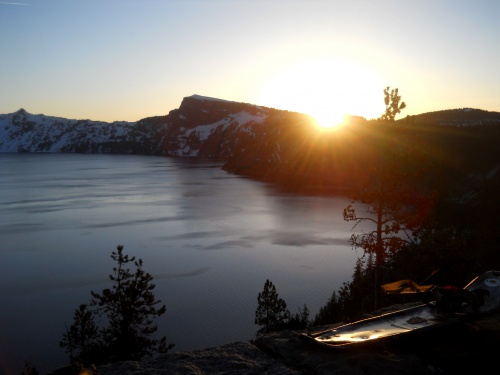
[(5, 3)]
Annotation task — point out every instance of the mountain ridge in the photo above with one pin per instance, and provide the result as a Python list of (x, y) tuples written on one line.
[(455, 117), (441, 117), (260, 142), (193, 129)]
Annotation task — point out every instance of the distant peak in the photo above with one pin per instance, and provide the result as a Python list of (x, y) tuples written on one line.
[(21, 111)]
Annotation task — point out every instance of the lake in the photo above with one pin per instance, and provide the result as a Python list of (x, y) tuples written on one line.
[(210, 240)]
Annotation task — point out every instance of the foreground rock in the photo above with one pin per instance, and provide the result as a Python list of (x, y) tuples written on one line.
[(458, 349), (469, 348), (236, 358)]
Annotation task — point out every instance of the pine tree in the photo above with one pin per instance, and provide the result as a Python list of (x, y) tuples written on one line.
[(81, 340), (395, 207), (127, 309), (327, 314), (130, 307), (300, 320), (271, 313), (393, 104)]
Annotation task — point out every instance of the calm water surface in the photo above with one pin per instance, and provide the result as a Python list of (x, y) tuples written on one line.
[(210, 239)]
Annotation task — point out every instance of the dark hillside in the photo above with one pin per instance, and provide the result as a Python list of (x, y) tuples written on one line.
[(456, 117), (296, 155)]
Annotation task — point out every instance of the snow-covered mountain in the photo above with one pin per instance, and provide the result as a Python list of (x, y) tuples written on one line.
[(24, 132), (199, 128)]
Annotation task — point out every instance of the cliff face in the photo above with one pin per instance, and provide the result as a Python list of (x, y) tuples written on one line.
[(208, 128)]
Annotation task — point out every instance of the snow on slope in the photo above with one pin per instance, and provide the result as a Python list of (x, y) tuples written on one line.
[(190, 141), (241, 118), (24, 132)]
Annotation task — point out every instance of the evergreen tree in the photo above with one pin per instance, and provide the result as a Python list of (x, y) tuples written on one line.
[(304, 315), (81, 340), (130, 307), (300, 320), (396, 209), (127, 309), (393, 104), (330, 313), (271, 313)]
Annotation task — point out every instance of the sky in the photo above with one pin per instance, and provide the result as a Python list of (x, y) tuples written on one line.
[(114, 60)]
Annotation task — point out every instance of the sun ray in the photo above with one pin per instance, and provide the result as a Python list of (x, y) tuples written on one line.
[(328, 89)]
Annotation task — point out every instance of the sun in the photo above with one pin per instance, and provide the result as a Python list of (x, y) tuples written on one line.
[(327, 89)]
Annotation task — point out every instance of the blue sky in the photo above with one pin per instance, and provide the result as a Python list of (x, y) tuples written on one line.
[(128, 59)]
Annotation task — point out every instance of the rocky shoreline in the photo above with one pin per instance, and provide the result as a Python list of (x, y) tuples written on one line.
[(463, 348)]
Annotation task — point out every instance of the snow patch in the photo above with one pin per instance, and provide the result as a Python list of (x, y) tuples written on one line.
[(240, 118)]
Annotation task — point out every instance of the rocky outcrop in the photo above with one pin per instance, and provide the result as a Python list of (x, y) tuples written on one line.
[(235, 358), (465, 348)]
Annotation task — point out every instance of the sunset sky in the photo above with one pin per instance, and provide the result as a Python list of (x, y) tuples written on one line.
[(129, 59)]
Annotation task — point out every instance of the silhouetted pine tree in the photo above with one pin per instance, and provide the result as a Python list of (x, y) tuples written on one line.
[(271, 313), (81, 340), (300, 320), (127, 308)]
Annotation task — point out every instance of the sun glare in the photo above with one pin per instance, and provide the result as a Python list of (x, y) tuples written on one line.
[(327, 89)]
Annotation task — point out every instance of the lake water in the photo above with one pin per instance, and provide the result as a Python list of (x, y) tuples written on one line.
[(210, 239)]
